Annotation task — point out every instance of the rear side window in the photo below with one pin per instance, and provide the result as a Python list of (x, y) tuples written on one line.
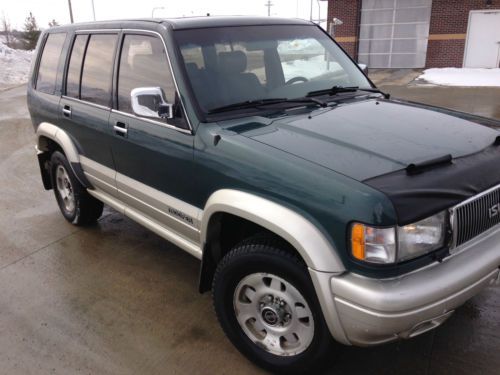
[(75, 66), (98, 68), (49, 63), (143, 63)]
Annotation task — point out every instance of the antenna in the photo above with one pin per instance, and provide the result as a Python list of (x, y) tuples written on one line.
[(269, 4)]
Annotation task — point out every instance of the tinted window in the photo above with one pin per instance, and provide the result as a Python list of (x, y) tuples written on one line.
[(241, 63), (143, 63), (46, 79), (98, 68), (75, 66), (193, 55), (254, 57)]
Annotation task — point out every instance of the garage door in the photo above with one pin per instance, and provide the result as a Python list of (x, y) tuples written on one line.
[(483, 40), (394, 33)]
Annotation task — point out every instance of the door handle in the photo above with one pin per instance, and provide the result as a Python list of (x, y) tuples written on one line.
[(66, 111), (120, 128)]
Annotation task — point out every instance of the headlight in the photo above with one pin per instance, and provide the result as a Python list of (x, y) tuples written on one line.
[(391, 245), (421, 237)]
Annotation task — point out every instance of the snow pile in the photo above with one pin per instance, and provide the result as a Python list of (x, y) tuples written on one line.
[(14, 65), (462, 76), (309, 68), (311, 46)]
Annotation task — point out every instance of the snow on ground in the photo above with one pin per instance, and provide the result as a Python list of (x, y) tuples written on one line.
[(14, 65), (462, 76)]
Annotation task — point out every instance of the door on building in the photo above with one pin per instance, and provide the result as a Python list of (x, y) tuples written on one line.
[(394, 33), (482, 49)]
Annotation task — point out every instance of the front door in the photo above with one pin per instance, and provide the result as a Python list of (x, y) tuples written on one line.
[(483, 40), (153, 157)]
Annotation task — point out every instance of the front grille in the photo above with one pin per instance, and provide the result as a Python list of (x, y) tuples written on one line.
[(476, 215)]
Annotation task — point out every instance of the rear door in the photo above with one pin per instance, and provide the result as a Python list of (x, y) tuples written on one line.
[(86, 104), (153, 157)]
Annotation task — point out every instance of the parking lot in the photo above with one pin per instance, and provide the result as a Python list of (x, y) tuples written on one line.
[(117, 299)]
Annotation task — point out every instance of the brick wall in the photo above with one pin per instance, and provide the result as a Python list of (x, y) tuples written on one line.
[(349, 12), (448, 28)]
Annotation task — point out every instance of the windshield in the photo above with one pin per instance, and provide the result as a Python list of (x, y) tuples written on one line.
[(227, 65)]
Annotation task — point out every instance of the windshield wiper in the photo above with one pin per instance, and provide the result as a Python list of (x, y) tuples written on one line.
[(263, 102), (340, 89), (333, 90)]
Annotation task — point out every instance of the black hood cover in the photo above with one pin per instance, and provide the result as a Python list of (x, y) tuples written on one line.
[(417, 196)]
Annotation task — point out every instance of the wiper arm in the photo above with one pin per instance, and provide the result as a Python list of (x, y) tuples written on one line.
[(340, 89), (246, 104), (262, 102), (377, 91), (333, 91)]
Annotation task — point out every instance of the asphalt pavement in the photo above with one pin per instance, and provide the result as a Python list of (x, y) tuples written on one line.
[(115, 298)]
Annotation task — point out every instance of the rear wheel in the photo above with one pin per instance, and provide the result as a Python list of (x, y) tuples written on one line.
[(267, 306), (75, 203)]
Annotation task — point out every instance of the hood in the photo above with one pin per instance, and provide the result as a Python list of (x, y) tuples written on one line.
[(366, 139)]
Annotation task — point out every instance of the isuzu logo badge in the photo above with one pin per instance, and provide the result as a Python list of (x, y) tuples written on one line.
[(494, 210)]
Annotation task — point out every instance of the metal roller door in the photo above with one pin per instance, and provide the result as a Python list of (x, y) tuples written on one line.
[(394, 33)]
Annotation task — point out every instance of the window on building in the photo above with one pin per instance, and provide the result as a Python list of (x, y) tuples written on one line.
[(143, 63), (75, 66), (394, 33), (49, 63), (98, 68)]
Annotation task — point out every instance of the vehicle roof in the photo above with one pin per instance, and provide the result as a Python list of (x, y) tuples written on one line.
[(185, 22), (220, 21)]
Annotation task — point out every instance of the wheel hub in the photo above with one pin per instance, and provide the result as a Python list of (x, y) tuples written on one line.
[(273, 314), (64, 188), (274, 311)]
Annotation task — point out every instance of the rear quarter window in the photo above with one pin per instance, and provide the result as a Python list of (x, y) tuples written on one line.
[(49, 63)]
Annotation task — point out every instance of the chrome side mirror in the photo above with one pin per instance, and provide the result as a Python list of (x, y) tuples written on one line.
[(150, 102)]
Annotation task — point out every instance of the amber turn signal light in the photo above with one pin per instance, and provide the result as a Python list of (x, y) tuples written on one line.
[(358, 241)]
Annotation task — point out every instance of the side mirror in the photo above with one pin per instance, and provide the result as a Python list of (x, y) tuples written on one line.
[(364, 68), (150, 102)]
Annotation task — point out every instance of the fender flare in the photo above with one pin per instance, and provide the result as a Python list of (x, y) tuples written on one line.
[(64, 141), (317, 252)]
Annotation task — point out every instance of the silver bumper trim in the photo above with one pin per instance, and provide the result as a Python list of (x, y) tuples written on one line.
[(370, 311)]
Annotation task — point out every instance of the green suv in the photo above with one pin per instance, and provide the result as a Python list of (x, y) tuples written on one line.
[(321, 209)]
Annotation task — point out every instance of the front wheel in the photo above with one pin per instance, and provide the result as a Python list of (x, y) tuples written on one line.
[(267, 306)]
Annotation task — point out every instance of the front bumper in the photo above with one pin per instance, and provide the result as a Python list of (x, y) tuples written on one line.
[(365, 311)]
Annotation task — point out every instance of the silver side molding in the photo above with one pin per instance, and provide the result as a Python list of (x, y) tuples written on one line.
[(99, 175), (305, 237), (168, 211), (151, 224)]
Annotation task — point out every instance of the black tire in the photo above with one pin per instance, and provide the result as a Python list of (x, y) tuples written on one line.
[(269, 255), (86, 209)]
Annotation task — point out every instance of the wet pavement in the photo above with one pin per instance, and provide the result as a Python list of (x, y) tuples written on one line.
[(117, 299)]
